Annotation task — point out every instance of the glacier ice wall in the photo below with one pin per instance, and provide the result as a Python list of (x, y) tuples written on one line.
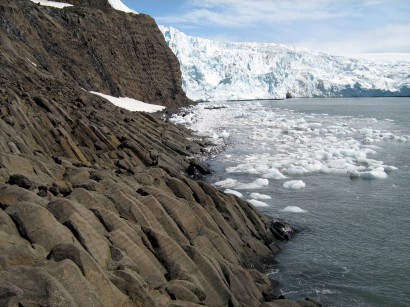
[(214, 70)]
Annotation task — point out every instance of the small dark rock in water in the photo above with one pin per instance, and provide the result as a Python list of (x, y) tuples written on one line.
[(21, 181), (197, 169), (282, 231)]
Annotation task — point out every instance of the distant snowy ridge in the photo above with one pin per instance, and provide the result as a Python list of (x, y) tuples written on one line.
[(116, 4), (213, 70), (119, 6)]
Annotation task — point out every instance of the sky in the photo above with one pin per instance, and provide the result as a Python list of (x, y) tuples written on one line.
[(345, 27)]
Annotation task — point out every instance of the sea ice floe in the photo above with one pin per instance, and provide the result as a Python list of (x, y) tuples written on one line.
[(227, 183), (273, 173), (295, 170), (224, 134), (258, 203), (257, 184), (293, 209), (390, 168), (281, 144), (259, 196), (294, 184), (233, 192), (377, 173), (315, 125)]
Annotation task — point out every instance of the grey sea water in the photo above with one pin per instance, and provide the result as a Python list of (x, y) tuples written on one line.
[(354, 243)]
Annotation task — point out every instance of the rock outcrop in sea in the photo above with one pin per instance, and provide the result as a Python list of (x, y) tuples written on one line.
[(95, 206)]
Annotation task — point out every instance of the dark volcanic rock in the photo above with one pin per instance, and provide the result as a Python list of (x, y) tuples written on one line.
[(21, 181), (93, 46)]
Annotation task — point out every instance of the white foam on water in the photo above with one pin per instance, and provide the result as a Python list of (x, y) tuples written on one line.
[(293, 209), (260, 196), (258, 203), (294, 184)]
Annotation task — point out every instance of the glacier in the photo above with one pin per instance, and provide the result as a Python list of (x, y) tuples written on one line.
[(217, 71)]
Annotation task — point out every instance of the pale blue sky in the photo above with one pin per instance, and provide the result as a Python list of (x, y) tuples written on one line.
[(339, 27)]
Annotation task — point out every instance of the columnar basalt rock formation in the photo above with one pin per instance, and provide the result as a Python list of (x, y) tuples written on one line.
[(95, 209)]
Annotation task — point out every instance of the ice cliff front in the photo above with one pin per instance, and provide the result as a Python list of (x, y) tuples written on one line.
[(214, 70)]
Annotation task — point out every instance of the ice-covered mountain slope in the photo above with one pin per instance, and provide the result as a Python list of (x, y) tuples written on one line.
[(214, 70)]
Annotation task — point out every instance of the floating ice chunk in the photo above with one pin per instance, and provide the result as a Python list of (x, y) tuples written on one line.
[(260, 196), (400, 139), (334, 171), (293, 209), (390, 168), (242, 168), (273, 173), (227, 183), (296, 170), (315, 125), (377, 173), (315, 166), (294, 184), (257, 184), (224, 134), (374, 174), (233, 192), (262, 168), (258, 203)]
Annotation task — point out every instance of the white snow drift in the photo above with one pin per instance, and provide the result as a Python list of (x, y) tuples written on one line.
[(131, 104), (59, 5), (119, 6), (116, 4)]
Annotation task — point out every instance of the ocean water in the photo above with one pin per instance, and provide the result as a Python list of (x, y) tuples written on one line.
[(339, 171)]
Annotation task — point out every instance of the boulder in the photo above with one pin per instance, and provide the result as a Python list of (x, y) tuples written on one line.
[(39, 226)]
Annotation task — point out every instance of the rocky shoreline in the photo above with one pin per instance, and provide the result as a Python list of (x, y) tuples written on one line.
[(96, 206)]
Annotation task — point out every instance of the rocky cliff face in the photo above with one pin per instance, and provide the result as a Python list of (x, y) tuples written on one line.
[(93, 46), (95, 209)]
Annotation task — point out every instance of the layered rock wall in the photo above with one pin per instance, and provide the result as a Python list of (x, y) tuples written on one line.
[(92, 46)]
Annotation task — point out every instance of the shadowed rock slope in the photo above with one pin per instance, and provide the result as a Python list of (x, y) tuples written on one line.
[(95, 47), (95, 209)]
